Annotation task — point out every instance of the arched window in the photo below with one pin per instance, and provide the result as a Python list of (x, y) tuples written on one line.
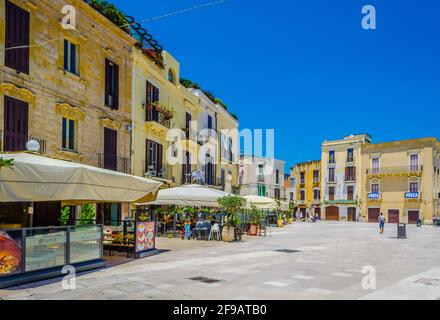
[(171, 77)]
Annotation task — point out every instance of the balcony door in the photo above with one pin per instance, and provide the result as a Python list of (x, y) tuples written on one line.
[(154, 158), (15, 124), (110, 149), (152, 99)]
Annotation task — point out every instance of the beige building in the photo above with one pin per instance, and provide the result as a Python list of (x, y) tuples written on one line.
[(401, 179), (71, 89), (308, 188), (341, 169)]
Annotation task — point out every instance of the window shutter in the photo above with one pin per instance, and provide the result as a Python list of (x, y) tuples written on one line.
[(66, 54), (107, 82), (116, 86), (147, 155), (73, 58), (17, 35), (149, 93), (159, 157)]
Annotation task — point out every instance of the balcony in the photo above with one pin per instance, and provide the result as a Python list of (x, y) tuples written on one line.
[(261, 179), (350, 179), (395, 171), (114, 163), (157, 121), (301, 202), (17, 143), (163, 173)]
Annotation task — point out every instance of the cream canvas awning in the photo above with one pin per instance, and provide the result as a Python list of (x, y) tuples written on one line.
[(35, 178), (262, 203), (190, 195)]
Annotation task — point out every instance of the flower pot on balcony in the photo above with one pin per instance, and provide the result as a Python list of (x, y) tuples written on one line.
[(228, 234)]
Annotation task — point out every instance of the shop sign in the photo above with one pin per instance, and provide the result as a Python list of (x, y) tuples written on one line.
[(412, 195), (374, 195), (145, 236), (10, 253)]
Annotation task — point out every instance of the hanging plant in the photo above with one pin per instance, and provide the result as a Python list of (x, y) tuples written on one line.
[(169, 113)]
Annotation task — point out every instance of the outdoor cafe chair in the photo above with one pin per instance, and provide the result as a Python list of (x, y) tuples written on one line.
[(215, 232)]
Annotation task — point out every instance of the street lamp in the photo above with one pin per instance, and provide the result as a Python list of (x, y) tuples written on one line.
[(33, 146)]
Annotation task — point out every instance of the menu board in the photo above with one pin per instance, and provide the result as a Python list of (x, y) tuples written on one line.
[(10, 253), (145, 236)]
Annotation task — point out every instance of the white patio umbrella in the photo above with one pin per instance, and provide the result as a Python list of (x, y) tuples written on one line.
[(35, 178), (189, 195), (262, 203)]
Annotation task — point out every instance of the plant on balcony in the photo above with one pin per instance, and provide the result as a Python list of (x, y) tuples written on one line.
[(87, 215), (189, 84), (169, 113), (7, 163)]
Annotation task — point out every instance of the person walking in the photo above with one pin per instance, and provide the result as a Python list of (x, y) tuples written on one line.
[(382, 223)]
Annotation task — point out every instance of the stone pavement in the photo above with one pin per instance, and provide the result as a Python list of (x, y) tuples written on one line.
[(301, 261)]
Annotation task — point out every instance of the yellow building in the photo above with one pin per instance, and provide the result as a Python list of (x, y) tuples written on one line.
[(163, 111), (401, 180), (71, 90), (308, 188)]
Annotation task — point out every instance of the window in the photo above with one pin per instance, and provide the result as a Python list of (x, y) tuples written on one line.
[(414, 187), (68, 135), (17, 35), (277, 193), (375, 188), (350, 193), (303, 195), (331, 175), (350, 174), (414, 163), (375, 166), (316, 194), (111, 85), (231, 154), (316, 176), (331, 193), (70, 57), (350, 155), (152, 98), (331, 157), (303, 177), (261, 172), (292, 196), (171, 76), (186, 169), (277, 176), (261, 191)]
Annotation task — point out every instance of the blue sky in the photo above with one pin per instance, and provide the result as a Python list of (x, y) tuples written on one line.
[(307, 68)]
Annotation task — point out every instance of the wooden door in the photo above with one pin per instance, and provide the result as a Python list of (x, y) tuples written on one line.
[(393, 216), (15, 124), (318, 212), (351, 214), (373, 215), (413, 216), (110, 149), (332, 213)]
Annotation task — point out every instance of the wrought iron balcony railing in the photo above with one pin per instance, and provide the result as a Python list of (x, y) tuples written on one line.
[(164, 172), (395, 170), (12, 142), (154, 115), (114, 163)]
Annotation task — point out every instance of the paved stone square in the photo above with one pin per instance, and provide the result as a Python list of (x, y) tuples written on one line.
[(301, 261)]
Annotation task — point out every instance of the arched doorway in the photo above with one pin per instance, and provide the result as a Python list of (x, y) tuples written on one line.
[(332, 213)]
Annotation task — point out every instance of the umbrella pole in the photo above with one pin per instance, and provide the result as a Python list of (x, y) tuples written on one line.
[(174, 226)]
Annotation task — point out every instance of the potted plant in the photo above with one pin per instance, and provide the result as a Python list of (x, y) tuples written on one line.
[(255, 218), (65, 216), (231, 205), (280, 221), (8, 163), (289, 215), (87, 215)]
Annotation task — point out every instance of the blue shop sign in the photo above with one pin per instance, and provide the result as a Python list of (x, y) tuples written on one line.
[(412, 195), (374, 195)]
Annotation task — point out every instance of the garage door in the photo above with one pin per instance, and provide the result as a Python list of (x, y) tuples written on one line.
[(332, 214), (373, 215), (413, 216), (393, 216)]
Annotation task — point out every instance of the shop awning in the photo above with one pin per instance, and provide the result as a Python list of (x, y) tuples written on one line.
[(262, 203), (35, 178), (189, 195)]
